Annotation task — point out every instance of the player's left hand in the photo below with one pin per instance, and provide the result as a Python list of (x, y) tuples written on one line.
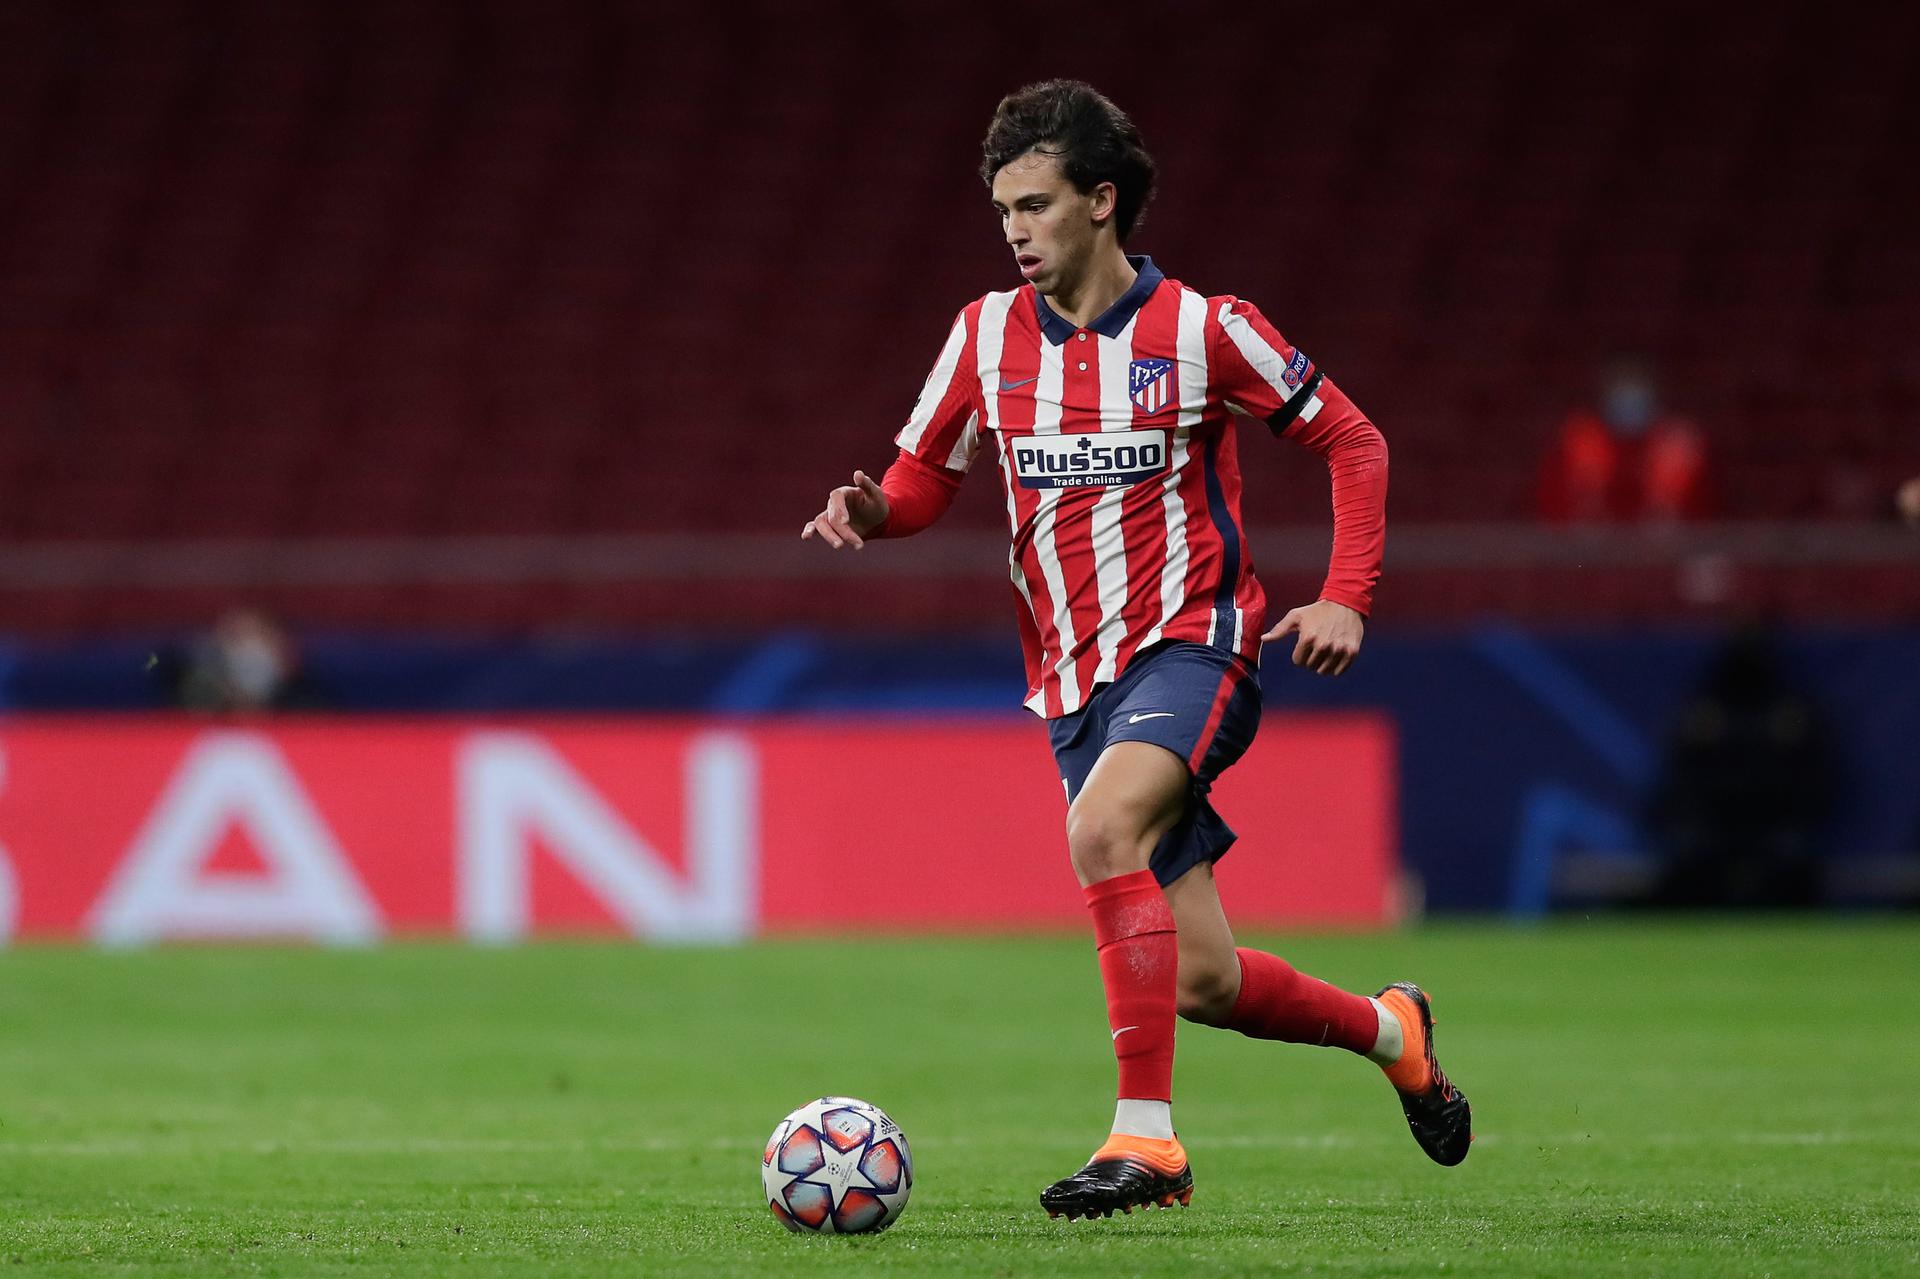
[(1330, 635)]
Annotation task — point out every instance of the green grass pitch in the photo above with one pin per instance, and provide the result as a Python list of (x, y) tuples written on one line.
[(1652, 1098)]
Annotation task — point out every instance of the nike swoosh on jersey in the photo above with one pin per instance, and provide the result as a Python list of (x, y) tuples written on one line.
[(1014, 386), (1135, 719)]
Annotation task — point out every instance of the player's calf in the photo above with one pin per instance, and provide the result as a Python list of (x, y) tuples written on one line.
[(1278, 1001)]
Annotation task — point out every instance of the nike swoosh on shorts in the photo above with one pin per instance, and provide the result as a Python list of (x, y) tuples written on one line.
[(1135, 719)]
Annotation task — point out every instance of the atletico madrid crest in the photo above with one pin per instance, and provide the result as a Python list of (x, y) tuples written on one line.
[(1150, 383)]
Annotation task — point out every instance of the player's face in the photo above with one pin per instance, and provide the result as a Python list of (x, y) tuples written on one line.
[(1051, 227)]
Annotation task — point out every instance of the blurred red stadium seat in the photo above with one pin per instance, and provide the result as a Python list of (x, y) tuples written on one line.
[(365, 269)]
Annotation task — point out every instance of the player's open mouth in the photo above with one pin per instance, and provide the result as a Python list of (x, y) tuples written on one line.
[(1029, 264)]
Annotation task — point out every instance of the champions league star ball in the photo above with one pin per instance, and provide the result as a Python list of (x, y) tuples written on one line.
[(837, 1166)]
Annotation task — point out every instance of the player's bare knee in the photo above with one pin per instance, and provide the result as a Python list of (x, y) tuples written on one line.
[(1103, 843), (1207, 992)]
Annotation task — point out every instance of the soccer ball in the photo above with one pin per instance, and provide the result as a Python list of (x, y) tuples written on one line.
[(837, 1166)]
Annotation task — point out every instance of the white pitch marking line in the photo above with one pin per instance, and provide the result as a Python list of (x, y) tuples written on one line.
[(482, 1145)]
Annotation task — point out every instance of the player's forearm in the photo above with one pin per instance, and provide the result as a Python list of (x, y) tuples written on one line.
[(918, 493), (1358, 467), (1356, 457)]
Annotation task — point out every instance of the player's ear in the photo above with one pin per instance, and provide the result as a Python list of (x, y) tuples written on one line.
[(1104, 199)]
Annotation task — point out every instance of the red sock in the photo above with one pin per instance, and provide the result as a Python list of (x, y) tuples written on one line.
[(1279, 1002), (1139, 960)]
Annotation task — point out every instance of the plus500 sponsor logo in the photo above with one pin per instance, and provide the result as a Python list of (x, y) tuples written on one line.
[(1089, 461)]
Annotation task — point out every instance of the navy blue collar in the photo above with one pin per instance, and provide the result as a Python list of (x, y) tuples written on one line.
[(1115, 318)]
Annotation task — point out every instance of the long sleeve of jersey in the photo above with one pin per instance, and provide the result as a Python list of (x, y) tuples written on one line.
[(1263, 375), (1356, 457), (918, 493), (940, 439)]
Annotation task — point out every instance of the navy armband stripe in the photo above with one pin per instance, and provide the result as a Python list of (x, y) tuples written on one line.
[(1284, 418)]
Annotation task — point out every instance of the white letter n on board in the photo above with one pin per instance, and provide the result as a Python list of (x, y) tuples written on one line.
[(514, 785)]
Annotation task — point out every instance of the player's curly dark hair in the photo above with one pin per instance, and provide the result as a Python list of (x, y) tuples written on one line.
[(1094, 139)]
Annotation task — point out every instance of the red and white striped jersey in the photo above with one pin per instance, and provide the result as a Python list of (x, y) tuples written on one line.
[(1116, 456)]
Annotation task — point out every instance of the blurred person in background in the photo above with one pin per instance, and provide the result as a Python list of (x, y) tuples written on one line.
[(1747, 787), (1625, 460), (247, 664), (1906, 502)]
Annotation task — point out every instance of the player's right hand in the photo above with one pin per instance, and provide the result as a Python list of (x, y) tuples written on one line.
[(853, 510), (1330, 634)]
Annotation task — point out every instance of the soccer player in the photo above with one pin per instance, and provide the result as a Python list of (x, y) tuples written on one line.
[(1108, 394)]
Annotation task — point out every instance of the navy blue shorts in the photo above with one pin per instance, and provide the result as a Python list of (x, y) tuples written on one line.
[(1198, 702)]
